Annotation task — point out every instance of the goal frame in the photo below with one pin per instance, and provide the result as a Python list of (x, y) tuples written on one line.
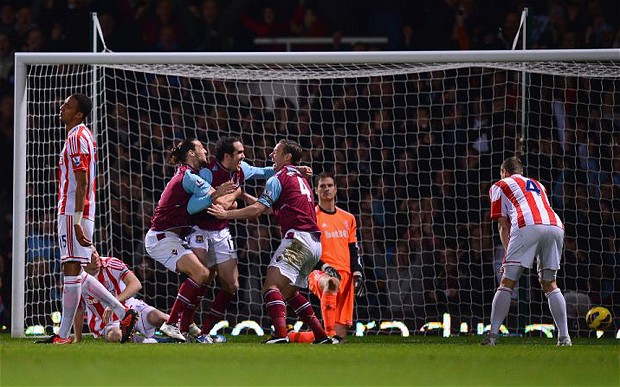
[(24, 60)]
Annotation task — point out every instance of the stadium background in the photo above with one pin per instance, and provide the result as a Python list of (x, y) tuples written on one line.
[(591, 246)]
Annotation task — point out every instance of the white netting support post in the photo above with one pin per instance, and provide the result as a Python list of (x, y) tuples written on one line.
[(19, 201)]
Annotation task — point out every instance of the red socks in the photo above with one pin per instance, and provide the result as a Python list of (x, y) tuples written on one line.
[(303, 309), (276, 310), (188, 298), (218, 310)]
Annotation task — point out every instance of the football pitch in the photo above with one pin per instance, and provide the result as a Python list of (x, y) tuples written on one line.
[(362, 361)]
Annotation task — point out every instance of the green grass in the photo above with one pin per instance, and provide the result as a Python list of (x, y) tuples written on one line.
[(372, 360)]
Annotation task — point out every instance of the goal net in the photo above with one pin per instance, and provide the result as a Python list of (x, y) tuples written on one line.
[(415, 144)]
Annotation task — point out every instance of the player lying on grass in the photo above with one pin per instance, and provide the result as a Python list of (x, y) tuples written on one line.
[(123, 284)]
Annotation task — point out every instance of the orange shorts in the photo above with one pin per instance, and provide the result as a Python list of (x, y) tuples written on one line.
[(344, 298)]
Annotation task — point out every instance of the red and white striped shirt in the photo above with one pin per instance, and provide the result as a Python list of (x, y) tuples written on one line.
[(78, 154), (522, 200), (111, 275)]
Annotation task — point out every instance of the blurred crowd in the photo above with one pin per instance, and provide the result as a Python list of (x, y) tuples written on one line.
[(415, 154)]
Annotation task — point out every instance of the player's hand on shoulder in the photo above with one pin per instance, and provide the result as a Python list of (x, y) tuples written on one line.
[(358, 284), (305, 170)]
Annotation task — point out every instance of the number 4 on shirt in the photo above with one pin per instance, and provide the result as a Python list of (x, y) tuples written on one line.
[(532, 187), (304, 190)]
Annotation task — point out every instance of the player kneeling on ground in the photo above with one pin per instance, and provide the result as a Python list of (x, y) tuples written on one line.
[(123, 284)]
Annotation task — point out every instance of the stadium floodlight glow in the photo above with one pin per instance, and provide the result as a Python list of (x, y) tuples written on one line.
[(357, 113)]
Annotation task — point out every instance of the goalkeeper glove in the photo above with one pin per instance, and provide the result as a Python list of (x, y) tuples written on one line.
[(358, 284), (330, 271)]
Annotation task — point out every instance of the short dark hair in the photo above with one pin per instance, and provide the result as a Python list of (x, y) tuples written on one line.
[(226, 145), (84, 104), (323, 175), (294, 149), (178, 153), (512, 165)]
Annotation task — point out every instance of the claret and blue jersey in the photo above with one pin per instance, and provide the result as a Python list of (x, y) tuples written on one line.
[(216, 174), (289, 194)]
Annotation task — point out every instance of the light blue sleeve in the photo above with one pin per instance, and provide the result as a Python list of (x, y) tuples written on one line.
[(199, 188), (194, 184), (252, 172), (206, 175), (272, 191)]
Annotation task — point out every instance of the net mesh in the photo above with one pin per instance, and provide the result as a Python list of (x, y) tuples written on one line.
[(415, 148)]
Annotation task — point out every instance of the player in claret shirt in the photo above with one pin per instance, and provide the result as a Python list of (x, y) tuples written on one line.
[(210, 238), (289, 194), (165, 242)]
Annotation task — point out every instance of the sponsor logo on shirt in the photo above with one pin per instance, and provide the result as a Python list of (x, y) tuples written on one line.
[(77, 160)]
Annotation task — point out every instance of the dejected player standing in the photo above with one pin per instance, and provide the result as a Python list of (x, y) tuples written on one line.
[(289, 194), (76, 218), (340, 277), (529, 229)]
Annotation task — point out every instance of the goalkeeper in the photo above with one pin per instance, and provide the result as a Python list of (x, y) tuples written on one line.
[(340, 276)]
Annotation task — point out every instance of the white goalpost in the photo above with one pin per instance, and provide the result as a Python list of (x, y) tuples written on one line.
[(415, 140)]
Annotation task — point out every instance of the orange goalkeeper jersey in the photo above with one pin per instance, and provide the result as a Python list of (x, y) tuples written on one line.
[(338, 230)]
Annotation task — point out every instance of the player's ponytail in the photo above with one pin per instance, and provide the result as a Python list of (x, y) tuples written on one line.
[(178, 153)]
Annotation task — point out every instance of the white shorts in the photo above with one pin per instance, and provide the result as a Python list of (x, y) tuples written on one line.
[(166, 248), (219, 244), (70, 249), (142, 325), (296, 256), (537, 241)]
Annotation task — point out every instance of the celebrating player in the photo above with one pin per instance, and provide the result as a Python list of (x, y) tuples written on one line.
[(210, 239), (289, 194), (340, 277), (528, 229), (171, 222), (76, 219), (102, 322)]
